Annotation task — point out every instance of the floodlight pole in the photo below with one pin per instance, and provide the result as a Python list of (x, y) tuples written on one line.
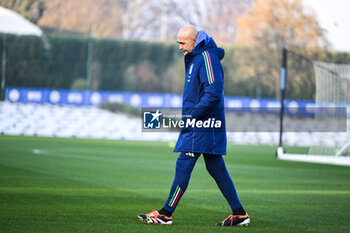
[(283, 89), (89, 60), (3, 69)]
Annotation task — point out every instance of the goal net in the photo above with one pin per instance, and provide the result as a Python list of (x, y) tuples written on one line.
[(332, 89), (332, 102)]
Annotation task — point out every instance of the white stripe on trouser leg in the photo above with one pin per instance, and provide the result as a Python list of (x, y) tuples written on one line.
[(172, 203)]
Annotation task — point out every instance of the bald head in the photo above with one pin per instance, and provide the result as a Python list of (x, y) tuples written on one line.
[(188, 31), (186, 38)]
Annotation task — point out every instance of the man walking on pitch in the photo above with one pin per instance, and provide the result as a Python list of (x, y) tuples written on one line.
[(203, 99)]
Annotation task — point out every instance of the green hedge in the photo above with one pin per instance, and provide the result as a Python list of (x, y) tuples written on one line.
[(29, 64), (152, 66)]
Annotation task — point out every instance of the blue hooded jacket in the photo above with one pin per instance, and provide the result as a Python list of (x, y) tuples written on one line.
[(203, 98)]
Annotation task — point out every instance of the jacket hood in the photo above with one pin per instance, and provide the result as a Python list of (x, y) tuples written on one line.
[(204, 42)]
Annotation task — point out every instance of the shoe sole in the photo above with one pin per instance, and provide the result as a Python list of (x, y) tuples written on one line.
[(244, 223), (154, 223)]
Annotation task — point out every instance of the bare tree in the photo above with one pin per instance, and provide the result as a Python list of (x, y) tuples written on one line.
[(278, 24), (158, 19), (161, 19), (30, 9), (222, 16)]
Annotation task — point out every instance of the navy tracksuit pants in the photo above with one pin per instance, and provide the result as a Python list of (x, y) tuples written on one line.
[(216, 167)]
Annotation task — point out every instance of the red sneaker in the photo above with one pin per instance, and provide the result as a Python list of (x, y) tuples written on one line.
[(235, 220)]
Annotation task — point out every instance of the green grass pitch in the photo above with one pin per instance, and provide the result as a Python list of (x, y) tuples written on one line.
[(75, 185)]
